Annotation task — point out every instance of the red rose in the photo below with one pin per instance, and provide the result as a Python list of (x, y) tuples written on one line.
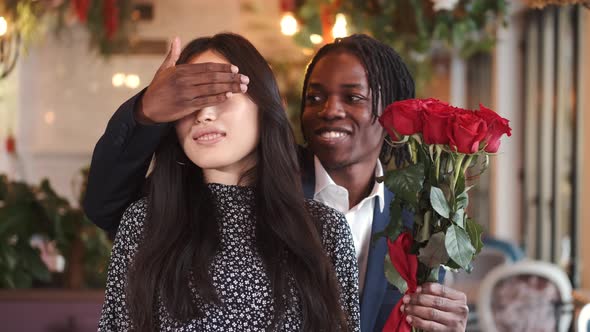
[(436, 116), (497, 126), (466, 131), (402, 118)]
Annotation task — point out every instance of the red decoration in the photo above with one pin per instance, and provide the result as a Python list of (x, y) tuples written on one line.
[(328, 17), (111, 18), (10, 144), (287, 6), (407, 266), (81, 8)]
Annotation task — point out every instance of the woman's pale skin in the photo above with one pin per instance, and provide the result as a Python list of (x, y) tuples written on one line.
[(221, 139)]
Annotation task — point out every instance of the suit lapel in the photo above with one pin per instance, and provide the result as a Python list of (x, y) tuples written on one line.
[(375, 282)]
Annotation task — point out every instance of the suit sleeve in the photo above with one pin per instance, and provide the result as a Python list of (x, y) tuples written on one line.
[(119, 165)]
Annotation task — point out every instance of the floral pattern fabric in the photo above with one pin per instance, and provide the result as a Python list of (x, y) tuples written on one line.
[(237, 270)]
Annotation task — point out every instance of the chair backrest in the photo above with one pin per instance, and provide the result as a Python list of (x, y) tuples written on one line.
[(513, 252), (584, 319), (525, 296)]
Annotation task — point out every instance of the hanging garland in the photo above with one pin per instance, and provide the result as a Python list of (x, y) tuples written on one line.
[(542, 3), (417, 29), (410, 25), (108, 22)]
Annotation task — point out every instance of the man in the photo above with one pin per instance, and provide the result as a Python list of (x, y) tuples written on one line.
[(347, 85)]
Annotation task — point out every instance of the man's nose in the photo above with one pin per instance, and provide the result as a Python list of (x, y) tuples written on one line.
[(333, 108)]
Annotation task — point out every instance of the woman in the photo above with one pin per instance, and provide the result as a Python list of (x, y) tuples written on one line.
[(224, 240)]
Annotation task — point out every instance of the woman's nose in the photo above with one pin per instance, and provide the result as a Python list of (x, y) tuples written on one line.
[(206, 114)]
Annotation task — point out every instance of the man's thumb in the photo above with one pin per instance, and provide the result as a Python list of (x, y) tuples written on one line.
[(172, 55)]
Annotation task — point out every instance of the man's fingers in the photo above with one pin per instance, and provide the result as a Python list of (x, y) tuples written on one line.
[(173, 54), (440, 303), (433, 301), (202, 102), (200, 93), (427, 318), (212, 77), (444, 291), (426, 325), (199, 68)]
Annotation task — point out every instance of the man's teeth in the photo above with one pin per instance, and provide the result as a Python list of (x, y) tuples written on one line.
[(209, 137), (333, 134)]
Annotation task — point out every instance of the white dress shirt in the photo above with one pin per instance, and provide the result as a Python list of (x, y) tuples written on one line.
[(359, 217)]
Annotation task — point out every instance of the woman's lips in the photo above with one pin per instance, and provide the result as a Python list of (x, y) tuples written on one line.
[(209, 138)]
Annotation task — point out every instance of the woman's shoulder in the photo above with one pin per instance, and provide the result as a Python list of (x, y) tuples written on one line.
[(331, 220), (136, 208), (134, 216), (321, 211)]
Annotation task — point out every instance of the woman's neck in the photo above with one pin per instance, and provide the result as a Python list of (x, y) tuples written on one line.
[(235, 174), (217, 176)]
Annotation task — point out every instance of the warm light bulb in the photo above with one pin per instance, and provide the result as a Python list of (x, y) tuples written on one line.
[(118, 79), (316, 39), (289, 24), (3, 26), (339, 30), (132, 81), (49, 117)]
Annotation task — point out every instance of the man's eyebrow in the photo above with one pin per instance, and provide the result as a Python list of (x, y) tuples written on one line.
[(343, 86)]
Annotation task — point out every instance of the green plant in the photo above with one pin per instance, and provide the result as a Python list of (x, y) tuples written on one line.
[(418, 30), (26, 211)]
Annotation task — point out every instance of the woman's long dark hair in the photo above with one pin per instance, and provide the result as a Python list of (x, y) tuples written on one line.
[(181, 234)]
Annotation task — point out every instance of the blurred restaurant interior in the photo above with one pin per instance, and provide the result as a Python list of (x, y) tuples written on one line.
[(67, 65)]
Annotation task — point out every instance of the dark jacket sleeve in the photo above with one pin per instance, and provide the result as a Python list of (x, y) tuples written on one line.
[(119, 165)]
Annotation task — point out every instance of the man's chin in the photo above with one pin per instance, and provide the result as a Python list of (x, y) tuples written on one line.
[(333, 162)]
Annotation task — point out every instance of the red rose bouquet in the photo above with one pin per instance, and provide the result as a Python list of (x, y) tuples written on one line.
[(445, 143)]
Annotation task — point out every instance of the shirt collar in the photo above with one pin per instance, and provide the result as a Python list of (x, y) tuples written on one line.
[(323, 181)]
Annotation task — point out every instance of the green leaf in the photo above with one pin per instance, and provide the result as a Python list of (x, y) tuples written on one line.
[(406, 182), (463, 200), (439, 202), (393, 276), (459, 246), (452, 265), (24, 280), (435, 253), (475, 232), (459, 218), (39, 270)]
